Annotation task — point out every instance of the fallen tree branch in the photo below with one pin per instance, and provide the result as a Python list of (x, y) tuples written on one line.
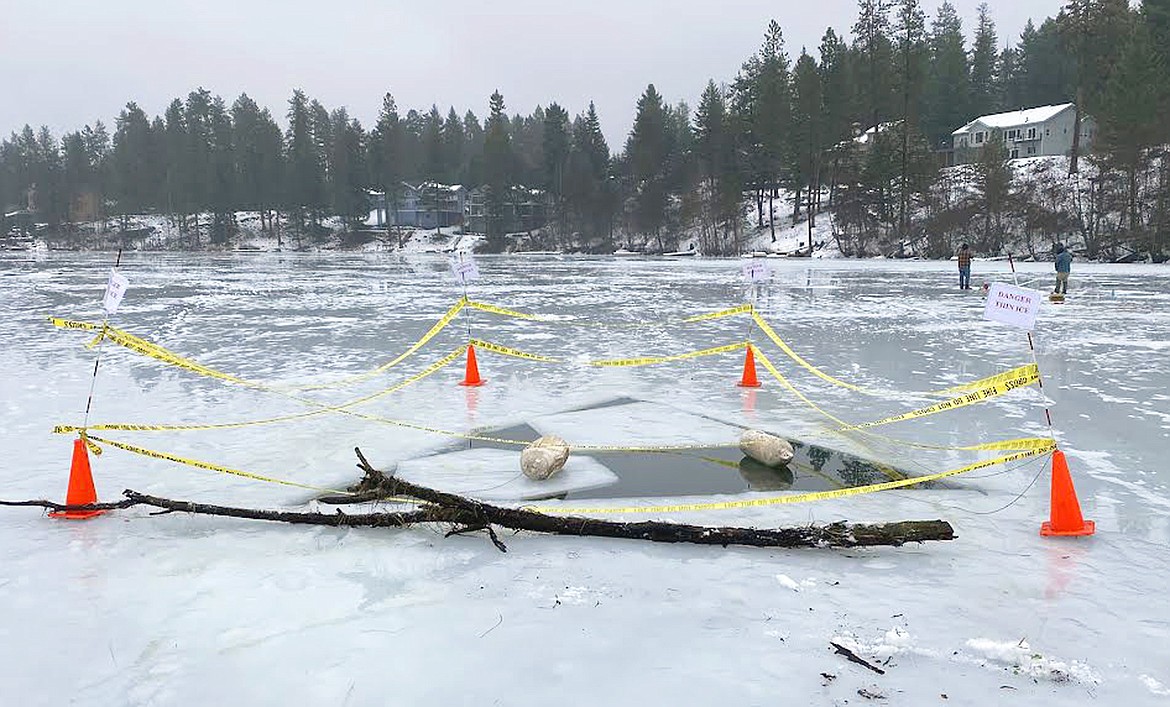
[(467, 515), (452, 508), (853, 657), (116, 505), (339, 519)]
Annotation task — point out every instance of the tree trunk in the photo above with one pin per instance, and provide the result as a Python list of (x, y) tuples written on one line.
[(473, 515), (1076, 142), (772, 214)]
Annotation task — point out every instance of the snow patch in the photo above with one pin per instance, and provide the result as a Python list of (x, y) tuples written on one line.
[(1154, 686), (1021, 659)]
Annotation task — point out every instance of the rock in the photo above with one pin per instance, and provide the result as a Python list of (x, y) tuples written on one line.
[(767, 449), (544, 457)]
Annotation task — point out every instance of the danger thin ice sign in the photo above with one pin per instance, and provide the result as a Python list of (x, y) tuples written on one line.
[(115, 291), (1017, 306)]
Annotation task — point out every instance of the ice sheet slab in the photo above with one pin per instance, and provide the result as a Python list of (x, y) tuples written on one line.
[(494, 475), (636, 424)]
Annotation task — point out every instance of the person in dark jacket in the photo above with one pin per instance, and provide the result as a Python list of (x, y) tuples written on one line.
[(964, 267), (1063, 268)]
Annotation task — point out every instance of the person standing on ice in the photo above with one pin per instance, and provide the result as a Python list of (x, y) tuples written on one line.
[(964, 267), (1063, 268)]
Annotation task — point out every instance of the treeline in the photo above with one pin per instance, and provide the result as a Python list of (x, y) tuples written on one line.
[(852, 127)]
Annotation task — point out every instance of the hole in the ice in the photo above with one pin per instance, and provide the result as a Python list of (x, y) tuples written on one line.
[(492, 471)]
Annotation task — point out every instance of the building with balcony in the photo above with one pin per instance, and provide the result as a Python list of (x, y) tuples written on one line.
[(1033, 132)]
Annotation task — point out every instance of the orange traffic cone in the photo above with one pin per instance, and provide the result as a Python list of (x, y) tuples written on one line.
[(471, 375), (749, 379), (81, 491), (1065, 514)]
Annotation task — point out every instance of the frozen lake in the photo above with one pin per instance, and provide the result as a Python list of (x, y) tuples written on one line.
[(139, 609)]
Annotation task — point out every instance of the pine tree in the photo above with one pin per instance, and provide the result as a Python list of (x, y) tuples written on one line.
[(305, 173), (912, 57), (1094, 32), (385, 156), (247, 124), (555, 148), (454, 148), (589, 196), (1155, 15), (715, 153), (223, 189), (1047, 71), (321, 128), (270, 146), (1131, 122), (497, 158), (473, 137), (984, 69), (646, 149), (434, 164), (1007, 82), (947, 92), (97, 147), (347, 182), (178, 199), (53, 204), (413, 153), (77, 173), (838, 88), (131, 170), (871, 41), (196, 168), (993, 182), (808, 105), (555, 142), (772, 120), (679, 170)]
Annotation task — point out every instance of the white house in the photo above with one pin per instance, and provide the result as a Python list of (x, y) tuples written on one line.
[(1033, 132), (428, 205)]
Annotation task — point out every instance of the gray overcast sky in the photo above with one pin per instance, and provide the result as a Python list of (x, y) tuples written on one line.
[(64, 63)]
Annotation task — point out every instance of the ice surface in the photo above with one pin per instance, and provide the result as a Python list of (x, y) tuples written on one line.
[(644, 424), (137, 609), (494, 474)]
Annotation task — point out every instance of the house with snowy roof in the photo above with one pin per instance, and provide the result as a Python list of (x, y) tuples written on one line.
[(428, 205), (1033, 132)]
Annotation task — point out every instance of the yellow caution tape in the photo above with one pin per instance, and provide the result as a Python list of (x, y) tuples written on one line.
[(771, 334), (1015, 373), (976, 396), (792, 498), (1022, 444), (493, 309), (502, 311), (146, 348), (322, 408), (159, 353), (89, 444), (431, 333), (767, 364), (741, 309), (982, 383), (649, 361), (514, 353), (70, 324), (142, 451)]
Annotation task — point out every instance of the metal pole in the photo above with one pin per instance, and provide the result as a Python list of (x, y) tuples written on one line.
[(1032, 349), (97, 361)]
